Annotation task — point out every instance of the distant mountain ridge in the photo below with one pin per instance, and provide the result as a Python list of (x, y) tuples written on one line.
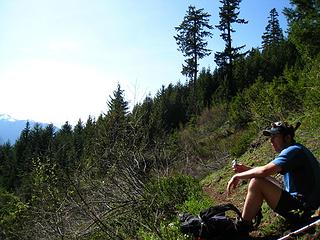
[(10, 128)]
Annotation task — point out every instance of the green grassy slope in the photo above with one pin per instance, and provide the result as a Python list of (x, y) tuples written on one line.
[(259, 153)]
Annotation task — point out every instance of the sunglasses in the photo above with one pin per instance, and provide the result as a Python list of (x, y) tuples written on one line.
[(277, 124)]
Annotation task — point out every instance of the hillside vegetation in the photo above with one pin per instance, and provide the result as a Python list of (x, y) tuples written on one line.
[(127, 174), (258, 153)]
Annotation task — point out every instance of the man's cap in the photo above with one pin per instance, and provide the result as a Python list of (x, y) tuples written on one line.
[(281, 128)]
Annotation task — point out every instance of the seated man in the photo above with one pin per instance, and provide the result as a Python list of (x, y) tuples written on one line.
[(301, 178)]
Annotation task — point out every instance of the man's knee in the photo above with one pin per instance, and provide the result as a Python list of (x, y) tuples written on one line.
[(267, 190), (256, 183)]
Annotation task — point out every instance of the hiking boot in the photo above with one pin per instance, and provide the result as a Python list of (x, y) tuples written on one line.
[(243, 226)]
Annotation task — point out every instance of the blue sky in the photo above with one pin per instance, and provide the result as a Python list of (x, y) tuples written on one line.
[(60, 60)]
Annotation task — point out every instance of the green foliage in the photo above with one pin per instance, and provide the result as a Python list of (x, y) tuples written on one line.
[(212, 119), (267, 101), (89, 141), (11, 207), (196, 203), (275, 58), (273, 33), (117, 104), (239, 113), (46, 180), (191, 39), (273, 224), (304, 27), (141, 121), (184, 128), (64, 147), (229, 15), (171, 108), (242, 143), (204, 89), (113, 131), (310, 81), (170, 231), (286, 97), (78, 141), (7, 167), (96, 235), (166, 194)]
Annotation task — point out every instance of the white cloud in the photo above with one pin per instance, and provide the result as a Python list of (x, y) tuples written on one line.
[(54, 91), (62, 45)]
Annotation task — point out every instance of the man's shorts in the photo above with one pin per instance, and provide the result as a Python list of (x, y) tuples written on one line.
[(291, 208)]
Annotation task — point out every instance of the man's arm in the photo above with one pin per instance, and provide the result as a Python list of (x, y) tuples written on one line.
[(257, 172)]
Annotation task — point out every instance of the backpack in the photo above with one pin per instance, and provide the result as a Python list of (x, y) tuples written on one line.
[(212, 223)]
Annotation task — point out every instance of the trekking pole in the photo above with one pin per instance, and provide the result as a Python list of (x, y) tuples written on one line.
[(300, 230)]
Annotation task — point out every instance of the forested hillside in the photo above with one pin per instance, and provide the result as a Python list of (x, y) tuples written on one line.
[(126, 174)]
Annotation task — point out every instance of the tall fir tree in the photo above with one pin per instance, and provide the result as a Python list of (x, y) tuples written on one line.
[(90, 137), (141, 118), (7, 167), (273, 33), (64, 148), (304, 26), (191, 40), (112, 130), (78, 140), (48, 135), (229, 14), (117, 103), (117, 115), (23, 155)]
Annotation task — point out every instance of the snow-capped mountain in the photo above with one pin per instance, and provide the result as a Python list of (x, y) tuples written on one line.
[(11, 128), (6, 117)]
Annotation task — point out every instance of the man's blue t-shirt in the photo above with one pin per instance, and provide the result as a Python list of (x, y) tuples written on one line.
[(301, 173)]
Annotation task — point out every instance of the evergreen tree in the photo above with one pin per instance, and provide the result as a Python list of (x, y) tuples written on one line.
[(275, 58), (117, 103), (90, 138), (64, 147), (47, 137), (157, 122), (174, 114), (191, 40), (273, 33), (229, 13), (205, 88), (170, 108), (141, 116), (112, 130), (23, 150), (7, 167), (78, 138), (36, 140), (117, 114), (304, 26)]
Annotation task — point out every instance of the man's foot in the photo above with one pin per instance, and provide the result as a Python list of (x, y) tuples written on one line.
[(243, 226)]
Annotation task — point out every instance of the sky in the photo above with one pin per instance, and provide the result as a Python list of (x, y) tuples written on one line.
[(61, 60)]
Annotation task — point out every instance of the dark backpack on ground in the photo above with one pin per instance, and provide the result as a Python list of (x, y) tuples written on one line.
[(213, 224)]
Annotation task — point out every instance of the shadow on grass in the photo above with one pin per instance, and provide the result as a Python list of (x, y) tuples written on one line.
[(271, 237)]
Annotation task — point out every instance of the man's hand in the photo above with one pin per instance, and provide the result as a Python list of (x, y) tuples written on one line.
[(239, 167), (232, 184)]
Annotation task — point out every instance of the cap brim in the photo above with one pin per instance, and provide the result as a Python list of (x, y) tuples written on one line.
[(267, 133), (272, 132)]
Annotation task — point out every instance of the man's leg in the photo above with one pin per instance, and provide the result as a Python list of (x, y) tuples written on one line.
[(260, 189)]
